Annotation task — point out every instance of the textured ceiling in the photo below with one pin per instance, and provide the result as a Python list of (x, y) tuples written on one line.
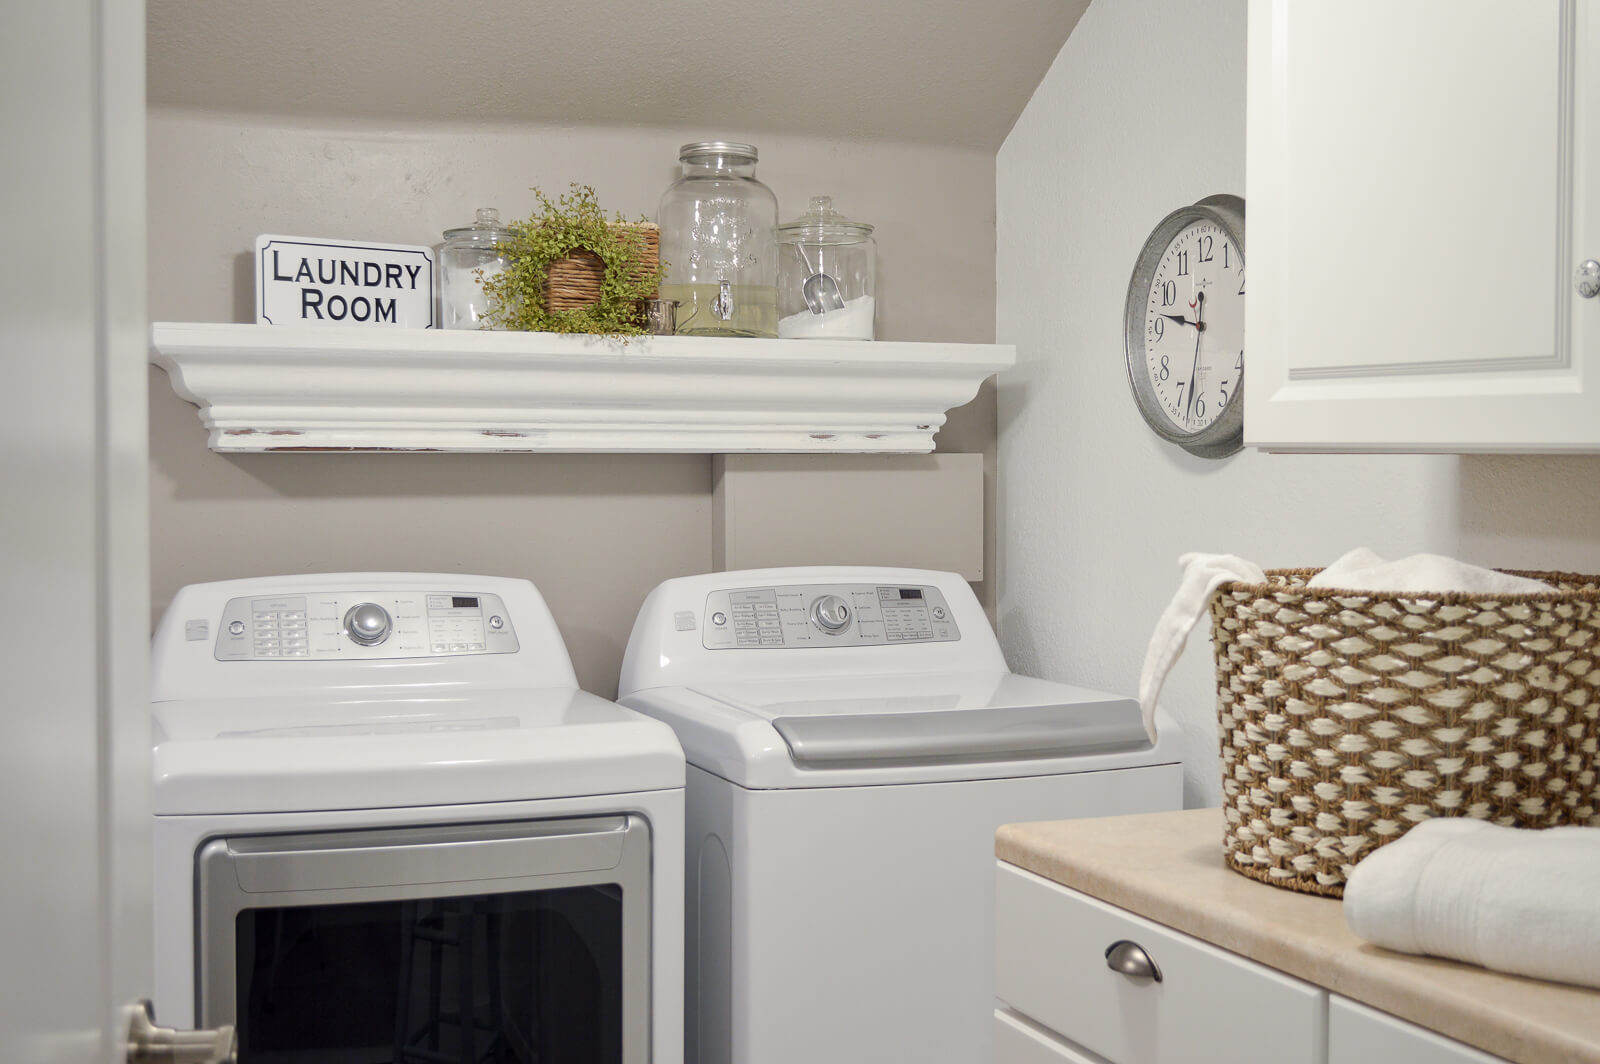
[(954, 72)]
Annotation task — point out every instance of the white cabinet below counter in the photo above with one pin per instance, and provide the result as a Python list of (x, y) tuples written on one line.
[(1421, 180), (1248, 972), (1061, 1001), (1361, 1035), (1052, 948)]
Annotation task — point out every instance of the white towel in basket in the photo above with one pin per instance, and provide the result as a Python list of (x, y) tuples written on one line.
[(1364, 570), (1360, 569), (1202, 575), (1512, 899)]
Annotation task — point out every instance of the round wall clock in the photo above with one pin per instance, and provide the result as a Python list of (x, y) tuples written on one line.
[(1184, 327)]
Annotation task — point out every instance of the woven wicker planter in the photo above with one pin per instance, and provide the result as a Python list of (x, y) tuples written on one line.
[(1348, 717), (574, 280)]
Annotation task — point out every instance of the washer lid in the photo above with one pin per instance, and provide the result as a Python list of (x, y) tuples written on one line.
[(999, 733), (392, 748), (829, 732)]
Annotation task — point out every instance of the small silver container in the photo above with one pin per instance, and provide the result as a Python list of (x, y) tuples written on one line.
[(660, 316)]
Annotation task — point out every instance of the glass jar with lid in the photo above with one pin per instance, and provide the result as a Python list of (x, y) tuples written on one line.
[(466, 258), (717, 239), (826, 275)]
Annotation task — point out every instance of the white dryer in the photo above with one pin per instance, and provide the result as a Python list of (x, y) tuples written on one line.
[(854, 739), (390, 828)]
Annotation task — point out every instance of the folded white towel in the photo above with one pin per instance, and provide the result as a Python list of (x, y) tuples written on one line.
[(1202, 575), (1364, 570), (1519, 901)]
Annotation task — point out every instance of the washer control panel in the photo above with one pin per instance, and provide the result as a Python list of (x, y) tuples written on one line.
[(826, 615), (353, 624)]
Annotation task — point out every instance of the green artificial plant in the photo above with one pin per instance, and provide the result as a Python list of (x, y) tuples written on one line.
[(573, 223)]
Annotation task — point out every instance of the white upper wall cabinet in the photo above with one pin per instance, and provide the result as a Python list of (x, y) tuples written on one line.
[(1420, 180)]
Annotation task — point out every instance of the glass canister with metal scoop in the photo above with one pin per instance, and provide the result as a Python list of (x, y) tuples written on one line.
[(826, 276)]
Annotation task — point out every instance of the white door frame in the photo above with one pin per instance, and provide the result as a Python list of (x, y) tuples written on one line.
[(74, 552)]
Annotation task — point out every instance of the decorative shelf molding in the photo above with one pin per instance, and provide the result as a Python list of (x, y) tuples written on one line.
[(305, 388)]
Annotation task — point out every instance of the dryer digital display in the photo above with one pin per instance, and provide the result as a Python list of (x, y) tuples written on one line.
[(356, 624), (826, 615)]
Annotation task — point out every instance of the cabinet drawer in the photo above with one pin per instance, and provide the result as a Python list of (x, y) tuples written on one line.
[(1017, 1042), (1361, 1035), (1050, 965)]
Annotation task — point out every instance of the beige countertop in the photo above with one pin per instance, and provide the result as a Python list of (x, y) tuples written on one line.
[(1168, 867)]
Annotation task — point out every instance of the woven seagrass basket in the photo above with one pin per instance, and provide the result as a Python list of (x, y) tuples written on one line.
[(1347, 717), (574, 280)]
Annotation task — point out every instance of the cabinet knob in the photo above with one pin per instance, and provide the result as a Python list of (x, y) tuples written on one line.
[(1130, 959), (1587, 279)]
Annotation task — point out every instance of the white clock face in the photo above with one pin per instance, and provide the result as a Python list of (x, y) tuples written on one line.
[(1194, 327)]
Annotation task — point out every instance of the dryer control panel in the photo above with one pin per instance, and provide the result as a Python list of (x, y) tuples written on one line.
[(349, 624), (826, 615)]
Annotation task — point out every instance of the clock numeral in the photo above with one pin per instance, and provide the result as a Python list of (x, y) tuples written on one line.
[(1183, 263), (1160, 327), (1199, 408), (1238, 364), (1223, 388), (1241, 280), (1169, 293), (1206, 244), (1165, 371), (1181, 386), (1224, 254)]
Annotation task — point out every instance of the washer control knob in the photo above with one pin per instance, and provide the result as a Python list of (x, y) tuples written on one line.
[(831, 613), (367, 624)]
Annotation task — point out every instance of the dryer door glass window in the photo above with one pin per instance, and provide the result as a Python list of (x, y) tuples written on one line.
[(511, 942), (532, 976)]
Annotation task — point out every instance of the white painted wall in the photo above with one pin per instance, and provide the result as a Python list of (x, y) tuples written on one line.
[(594, 532), (1142, 112)]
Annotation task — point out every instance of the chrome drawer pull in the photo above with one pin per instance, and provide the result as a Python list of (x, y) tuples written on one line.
[(1130, 959)]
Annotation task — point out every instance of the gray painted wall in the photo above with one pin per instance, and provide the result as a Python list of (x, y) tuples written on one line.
[(594, 532), (1143, 112)]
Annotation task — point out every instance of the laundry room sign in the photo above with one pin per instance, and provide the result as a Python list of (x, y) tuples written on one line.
[(308, 281)]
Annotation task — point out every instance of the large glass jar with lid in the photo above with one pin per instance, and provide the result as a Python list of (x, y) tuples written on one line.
[(469, 256), (717, 238), (827, 267)]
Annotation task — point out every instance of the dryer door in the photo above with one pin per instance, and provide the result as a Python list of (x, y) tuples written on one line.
[(501, 942)]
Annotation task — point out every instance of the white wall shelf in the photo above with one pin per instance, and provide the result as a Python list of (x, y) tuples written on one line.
[(282, 388)]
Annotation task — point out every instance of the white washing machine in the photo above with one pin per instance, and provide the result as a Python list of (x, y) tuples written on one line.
[(854, 739), (390, 828)]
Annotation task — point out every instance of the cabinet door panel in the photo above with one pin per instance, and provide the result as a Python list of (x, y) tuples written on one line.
[(1361, 1035), (1018, 1042), (1050, 965), (1415, 180)]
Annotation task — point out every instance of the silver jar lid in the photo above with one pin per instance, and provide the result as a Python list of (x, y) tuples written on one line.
[(718, 147)]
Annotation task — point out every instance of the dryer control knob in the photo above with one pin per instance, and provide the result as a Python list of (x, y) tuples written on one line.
[(367, 624), (831, 613)]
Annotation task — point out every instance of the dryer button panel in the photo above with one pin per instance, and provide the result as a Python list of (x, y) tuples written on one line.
[(826, 615), (353, 624)]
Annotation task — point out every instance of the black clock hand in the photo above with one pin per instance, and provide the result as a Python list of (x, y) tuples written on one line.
[(1181, 320), (1199, 305)]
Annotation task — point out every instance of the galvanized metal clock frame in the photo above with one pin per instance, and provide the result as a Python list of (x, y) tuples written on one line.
[(1183, 326)]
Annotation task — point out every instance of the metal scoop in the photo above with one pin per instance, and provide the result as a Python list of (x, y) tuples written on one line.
[(821, 291)]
